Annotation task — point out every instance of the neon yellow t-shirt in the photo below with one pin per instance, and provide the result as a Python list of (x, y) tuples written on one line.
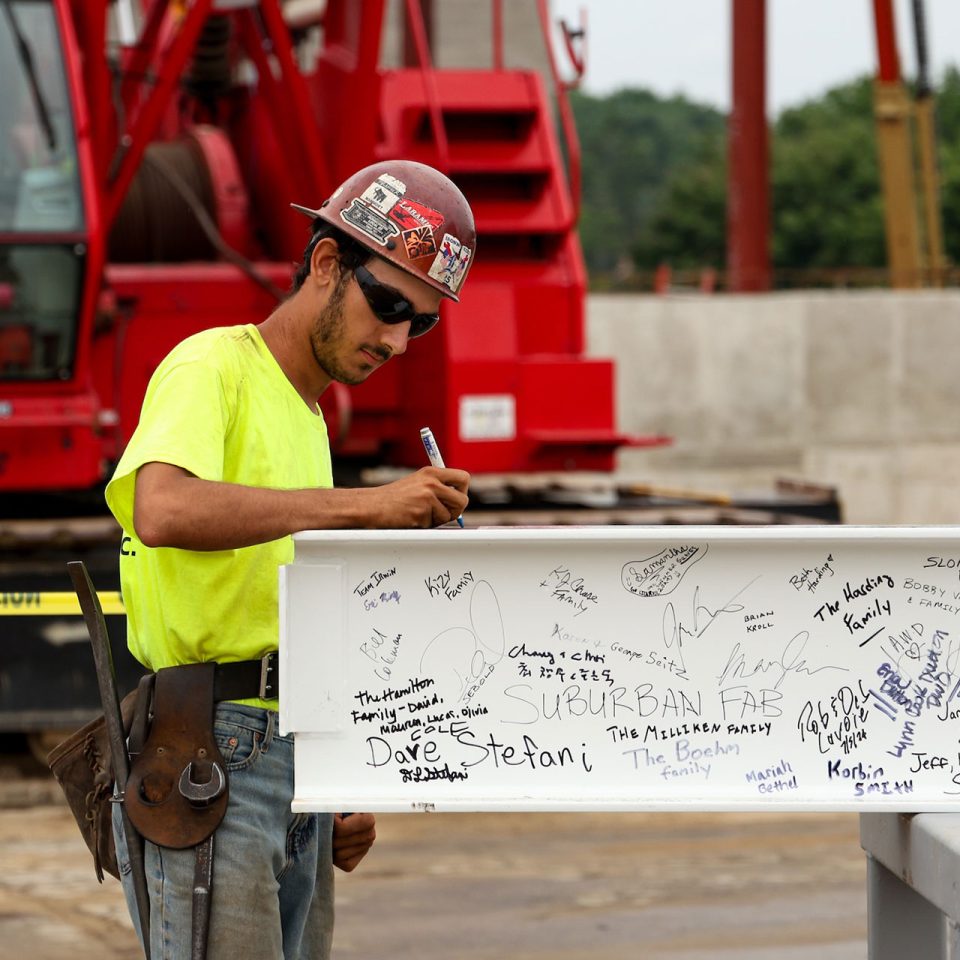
[(220, 407)]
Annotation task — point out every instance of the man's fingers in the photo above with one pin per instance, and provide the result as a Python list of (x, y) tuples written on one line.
[(357, 828), (354, 850), (446, 489), (453, 499), (348, 865), (458, 479), (353, 837), (446, 510), (343, 841), (428, 498)]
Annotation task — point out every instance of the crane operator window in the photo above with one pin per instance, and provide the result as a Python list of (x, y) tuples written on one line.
[(39, 186), (40, 279)]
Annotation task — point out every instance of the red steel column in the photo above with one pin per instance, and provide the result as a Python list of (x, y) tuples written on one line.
[(748, 187), (888, 63)]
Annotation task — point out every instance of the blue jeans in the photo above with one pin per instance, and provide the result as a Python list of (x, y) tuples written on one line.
[(272, 869)]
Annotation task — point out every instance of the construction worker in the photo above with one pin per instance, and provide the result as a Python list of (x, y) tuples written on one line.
[(229, 459)]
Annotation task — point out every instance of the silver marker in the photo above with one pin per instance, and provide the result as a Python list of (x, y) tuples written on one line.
[(433, 453)]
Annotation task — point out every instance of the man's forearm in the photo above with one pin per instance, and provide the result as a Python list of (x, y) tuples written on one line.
[(195, 514)]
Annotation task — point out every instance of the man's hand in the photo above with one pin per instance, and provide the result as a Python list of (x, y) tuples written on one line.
[(428, 498), (353, 836)]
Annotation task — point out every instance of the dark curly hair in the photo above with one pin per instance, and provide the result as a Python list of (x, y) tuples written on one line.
[(352, 254)]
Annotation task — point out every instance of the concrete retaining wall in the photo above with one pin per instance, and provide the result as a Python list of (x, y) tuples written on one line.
[(856, 389)]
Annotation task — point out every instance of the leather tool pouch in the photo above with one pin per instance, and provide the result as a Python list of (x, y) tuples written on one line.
[(177, 792), (84, 770)]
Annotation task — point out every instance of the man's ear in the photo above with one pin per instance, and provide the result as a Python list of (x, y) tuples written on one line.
[(325, 262)]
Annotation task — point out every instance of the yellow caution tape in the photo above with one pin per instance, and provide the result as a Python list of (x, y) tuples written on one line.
[(54, 604)]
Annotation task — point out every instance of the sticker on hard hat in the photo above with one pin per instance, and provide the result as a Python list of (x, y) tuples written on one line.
[(409, 214), (419, 242), (450, 265), (368, 211)]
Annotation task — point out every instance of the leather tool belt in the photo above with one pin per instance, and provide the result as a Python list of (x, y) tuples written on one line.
[(82, 762), (177, 792)]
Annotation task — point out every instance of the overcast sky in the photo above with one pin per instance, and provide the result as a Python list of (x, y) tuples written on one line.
[(683, 46)]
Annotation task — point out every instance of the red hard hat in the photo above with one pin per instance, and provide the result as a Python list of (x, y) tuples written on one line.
[(410, 214)]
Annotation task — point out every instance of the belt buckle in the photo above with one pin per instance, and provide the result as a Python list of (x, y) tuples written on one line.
[(268, 666)]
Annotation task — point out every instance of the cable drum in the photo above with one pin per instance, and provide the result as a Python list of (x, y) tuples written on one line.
[(156, 223)]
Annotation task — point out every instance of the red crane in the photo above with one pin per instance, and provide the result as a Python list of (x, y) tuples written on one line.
[(148, 154), (144, 195)]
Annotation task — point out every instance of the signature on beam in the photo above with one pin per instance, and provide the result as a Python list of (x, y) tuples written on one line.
[(674, 632), (790, 661), (471, 652)]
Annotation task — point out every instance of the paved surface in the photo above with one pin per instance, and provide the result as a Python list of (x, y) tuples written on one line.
[(485, 886)]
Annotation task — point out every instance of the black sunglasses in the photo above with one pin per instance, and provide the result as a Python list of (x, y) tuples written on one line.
[(390, 305)]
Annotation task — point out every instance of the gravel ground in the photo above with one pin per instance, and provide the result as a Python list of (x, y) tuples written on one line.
[(529, 886)]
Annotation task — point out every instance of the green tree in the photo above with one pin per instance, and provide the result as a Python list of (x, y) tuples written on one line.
[(948, 136), (826, 200), (631, 140), (687, 227), (825, 186)]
